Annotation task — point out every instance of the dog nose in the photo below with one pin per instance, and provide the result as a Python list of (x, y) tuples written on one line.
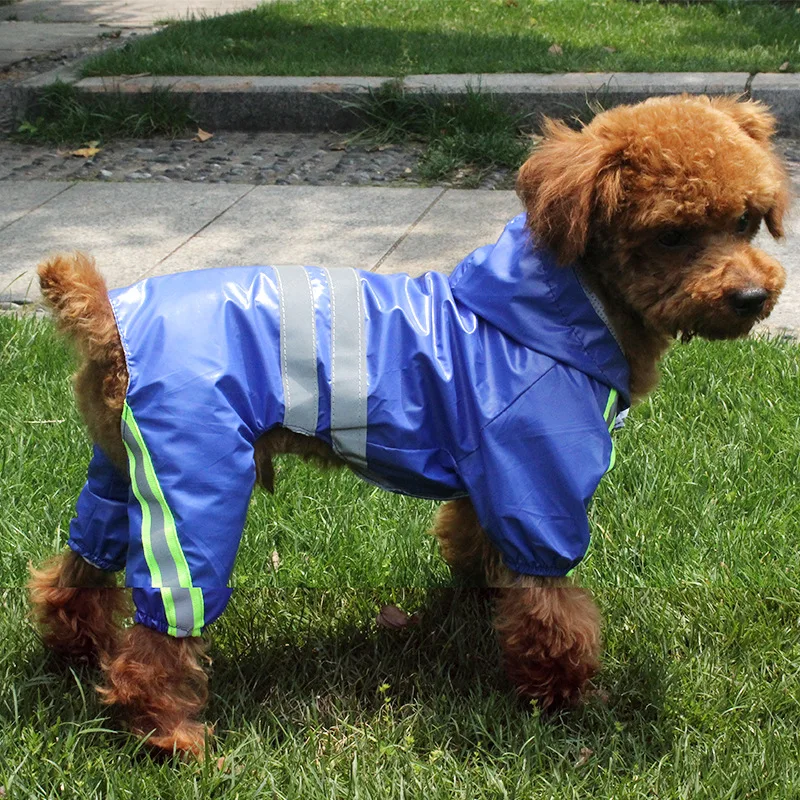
[(748, 302)]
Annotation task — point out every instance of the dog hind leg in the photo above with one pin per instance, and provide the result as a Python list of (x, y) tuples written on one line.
[(77, 607), (160, 685)]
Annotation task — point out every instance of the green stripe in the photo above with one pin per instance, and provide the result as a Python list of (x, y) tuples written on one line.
[(149, 555), (612, 398), (198, 605), (170, 534), (609, 412), (169, 610), (170, 531)]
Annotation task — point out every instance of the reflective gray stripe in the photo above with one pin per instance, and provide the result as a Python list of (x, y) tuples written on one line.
[(185, 602), (165, 559), (159, 546), (348, 367), (298, 349), (598, 307)]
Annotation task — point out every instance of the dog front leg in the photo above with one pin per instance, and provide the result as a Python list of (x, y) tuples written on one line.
[(77, 607), (464, 544), (549, 632), (549, 629), (161, 687)]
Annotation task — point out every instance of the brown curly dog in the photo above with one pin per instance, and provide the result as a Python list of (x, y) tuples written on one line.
[(657, 203)]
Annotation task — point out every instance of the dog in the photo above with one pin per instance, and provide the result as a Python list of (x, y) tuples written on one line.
[(495, 389)]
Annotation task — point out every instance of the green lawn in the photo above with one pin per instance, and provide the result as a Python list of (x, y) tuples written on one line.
[(401, 37), (694, 562)]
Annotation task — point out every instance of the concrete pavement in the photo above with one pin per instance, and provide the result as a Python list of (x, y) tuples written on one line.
[(20, 40), (136, 230), (35, 28), (119, 13)]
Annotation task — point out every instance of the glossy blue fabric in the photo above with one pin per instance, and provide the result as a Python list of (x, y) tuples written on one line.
[(491, 383)]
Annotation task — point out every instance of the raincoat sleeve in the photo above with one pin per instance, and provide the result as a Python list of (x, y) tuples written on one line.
[(99, 531), (536, 468), (191, 486)]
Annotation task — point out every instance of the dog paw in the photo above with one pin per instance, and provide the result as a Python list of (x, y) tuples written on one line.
[(189, 740)]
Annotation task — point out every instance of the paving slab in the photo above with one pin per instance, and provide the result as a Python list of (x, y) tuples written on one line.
[(128, 228), (143, 229), (128, 13), (787, 312), (19, 199), (458, 223), (327, 226), (21, 40)]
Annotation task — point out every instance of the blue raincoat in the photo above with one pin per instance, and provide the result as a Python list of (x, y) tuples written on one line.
[(500, 382)]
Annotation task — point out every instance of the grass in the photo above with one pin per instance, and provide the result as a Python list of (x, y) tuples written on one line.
[(466, 138), (694, 562), (401, 37), (62, 116)]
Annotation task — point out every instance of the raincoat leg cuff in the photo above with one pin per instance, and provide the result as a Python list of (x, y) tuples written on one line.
[(161, 626), (96, 560), (539, 571)]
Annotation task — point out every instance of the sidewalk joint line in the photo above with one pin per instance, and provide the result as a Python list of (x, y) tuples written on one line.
[(411, 227), (198, 231), (36, 208)]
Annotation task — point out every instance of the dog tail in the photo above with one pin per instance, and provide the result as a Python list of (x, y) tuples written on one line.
[(77, 294)]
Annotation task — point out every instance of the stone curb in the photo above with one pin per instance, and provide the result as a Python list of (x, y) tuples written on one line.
[(305, 104)]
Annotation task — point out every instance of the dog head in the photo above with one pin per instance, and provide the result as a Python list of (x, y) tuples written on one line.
[(661, 201)]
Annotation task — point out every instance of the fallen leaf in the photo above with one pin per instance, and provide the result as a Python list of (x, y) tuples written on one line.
[(221, 763), (586, 754), (555, 50), (512, 3), (85, 152), (202, 136), (338, 146), (395, 618), (610, 49), (276, 559), (783, 67)]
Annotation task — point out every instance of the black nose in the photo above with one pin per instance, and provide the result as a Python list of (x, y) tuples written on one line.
[(748, 302)]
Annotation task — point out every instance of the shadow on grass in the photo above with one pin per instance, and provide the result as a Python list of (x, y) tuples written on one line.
[(268, 41), (310, 660), (297, 665)]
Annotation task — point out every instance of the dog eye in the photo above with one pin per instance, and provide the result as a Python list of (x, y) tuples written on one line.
[(743, 223), (674, 237), (748, 223)]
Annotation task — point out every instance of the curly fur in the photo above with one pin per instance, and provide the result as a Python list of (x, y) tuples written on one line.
[(77, 607), (611, 197), (160, 683)]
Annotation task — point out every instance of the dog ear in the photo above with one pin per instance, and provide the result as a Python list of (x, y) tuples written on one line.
[(569, 179), (774, 216), (753, 117)]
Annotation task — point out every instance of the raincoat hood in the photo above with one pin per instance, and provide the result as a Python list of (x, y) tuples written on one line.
[(520, 289)]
